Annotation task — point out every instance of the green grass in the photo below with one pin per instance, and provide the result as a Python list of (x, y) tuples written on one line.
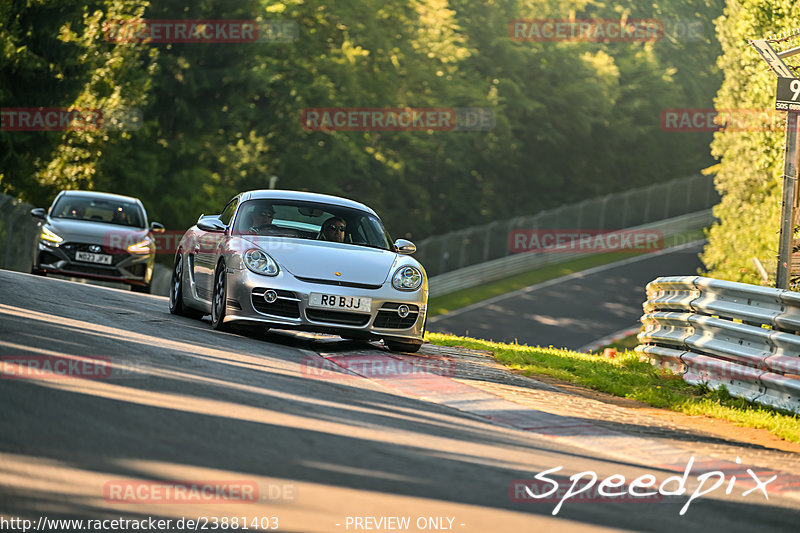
[(628, 377), (627, 343), (455, 300)]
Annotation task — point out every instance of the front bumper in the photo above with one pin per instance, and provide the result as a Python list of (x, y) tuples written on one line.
[(134, 269), (246, 303)]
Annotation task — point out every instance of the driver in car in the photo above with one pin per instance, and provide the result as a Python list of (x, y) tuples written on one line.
[(333, 229), (120, 216), (76, 211)]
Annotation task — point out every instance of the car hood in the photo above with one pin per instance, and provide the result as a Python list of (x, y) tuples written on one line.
[(95, 232), (322, 260)]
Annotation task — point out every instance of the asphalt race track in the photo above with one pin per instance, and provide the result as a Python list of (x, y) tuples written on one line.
[(573, 311), (314, 452)]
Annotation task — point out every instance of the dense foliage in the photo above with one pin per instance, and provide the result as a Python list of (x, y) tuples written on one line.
[(573, 119), (751, 162)]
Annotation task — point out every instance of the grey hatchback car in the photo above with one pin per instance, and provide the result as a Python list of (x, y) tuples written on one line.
[(96, 235)]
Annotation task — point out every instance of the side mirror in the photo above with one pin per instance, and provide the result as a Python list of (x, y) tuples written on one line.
[(39, 212), (210, 224), (156, 227), (404, 247)]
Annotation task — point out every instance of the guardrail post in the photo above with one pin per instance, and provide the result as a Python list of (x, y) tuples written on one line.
[(668, 196), (488, 239), (10, 232), (603, 212), (627, 205)]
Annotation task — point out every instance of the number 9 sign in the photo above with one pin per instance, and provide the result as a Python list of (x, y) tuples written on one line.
[(788, 94)]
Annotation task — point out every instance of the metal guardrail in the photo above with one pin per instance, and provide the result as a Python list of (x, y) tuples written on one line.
[(474, 275), (17, 234), (633, 207), (722, 333)]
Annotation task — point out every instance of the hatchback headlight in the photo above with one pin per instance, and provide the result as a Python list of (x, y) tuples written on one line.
[(260, 262), (407, 278), (49, 236), (142, 247)]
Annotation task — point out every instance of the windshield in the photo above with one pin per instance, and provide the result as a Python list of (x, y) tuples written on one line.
[(109, 211), (307, 220)]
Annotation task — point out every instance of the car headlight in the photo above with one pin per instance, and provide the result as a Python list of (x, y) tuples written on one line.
[(49, 236), (407, 278), (141, 247), (260, 262)]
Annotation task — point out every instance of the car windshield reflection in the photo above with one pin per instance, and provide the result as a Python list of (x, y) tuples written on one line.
[(314, 221), (99, 210)]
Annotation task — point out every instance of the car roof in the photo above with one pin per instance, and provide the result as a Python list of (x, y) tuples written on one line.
[(95, 194), (275, 194)]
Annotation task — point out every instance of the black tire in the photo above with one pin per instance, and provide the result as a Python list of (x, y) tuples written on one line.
[(219, 300), (397, 346), (145, 289), (36, 272), (176, 305)]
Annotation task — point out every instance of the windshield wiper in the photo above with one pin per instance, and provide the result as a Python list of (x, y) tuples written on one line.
[(368, 246)]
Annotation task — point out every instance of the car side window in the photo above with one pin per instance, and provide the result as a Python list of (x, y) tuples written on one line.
[(227, 213)]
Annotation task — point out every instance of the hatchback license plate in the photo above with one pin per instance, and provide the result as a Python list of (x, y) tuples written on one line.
[(93, 258), (345, 303)]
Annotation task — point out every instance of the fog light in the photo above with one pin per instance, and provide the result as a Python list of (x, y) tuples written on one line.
[(403, 311), (270, 296)]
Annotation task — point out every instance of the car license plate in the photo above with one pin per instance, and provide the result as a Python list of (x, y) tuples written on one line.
[(93, 258), (345, 303)]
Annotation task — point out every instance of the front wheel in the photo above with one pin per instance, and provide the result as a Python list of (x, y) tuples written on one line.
[(176, 305), (219, 299)]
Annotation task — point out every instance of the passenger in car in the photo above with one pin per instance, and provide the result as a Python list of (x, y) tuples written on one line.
[(261, 219)]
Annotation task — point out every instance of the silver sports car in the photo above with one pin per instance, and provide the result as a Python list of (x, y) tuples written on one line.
[(96, 235), (296, 260)]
